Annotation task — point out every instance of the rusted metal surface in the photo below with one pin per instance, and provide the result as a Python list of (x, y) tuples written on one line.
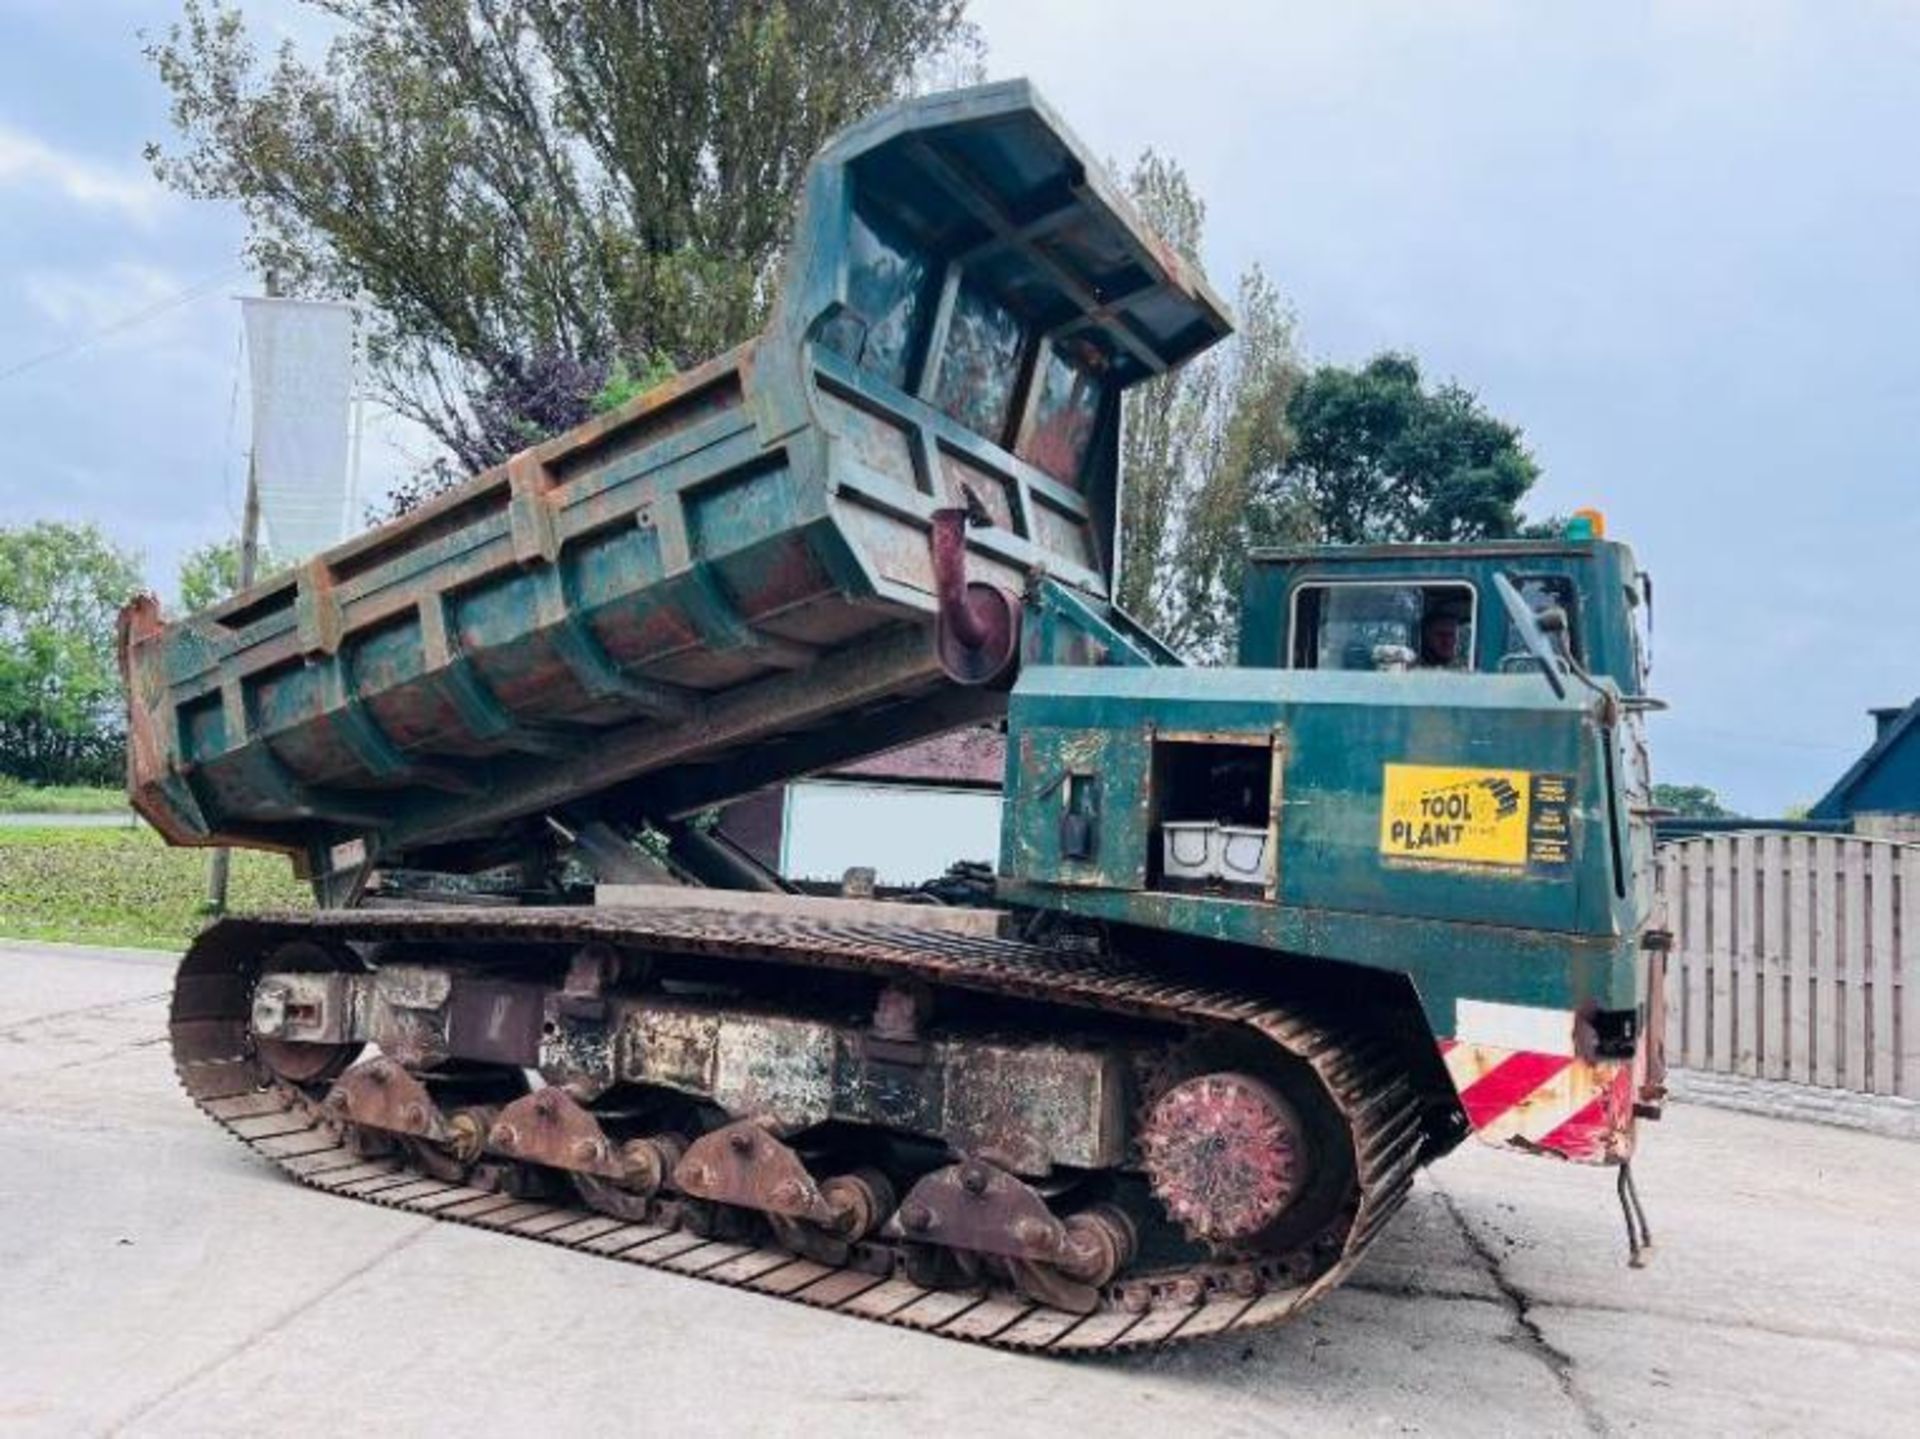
[(576, 1040), (381, 1094), (986, 923), (968, 758), (304, 1022), (980, 1208), (977, 634), (216, 1063), (743, 1165), (975, 1211), (303, 1063), (496, 1021), (456, 1155), (898, 1015), (776, 1066), (647, 1163), (1225, 1154), (550, 1127), (1028, 1104)]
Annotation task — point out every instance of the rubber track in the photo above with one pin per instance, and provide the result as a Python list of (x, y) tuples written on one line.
[(213, 1057)]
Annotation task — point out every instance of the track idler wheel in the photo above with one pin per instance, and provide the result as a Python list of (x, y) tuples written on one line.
[(275, 1010), (1226, 1156), (985, 1218)]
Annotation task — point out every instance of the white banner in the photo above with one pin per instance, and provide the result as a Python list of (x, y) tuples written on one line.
[(300, 355)]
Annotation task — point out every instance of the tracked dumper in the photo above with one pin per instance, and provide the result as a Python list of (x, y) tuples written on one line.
[(1264, 940)]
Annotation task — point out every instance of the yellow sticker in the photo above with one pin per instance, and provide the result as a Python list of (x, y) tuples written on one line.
[(1455, 816)]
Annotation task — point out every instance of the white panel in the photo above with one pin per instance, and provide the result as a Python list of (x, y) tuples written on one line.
[(300, 363), (906, 834), (1513, 1026)]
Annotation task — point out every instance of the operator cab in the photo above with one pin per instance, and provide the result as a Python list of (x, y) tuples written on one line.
[(1437, 607)]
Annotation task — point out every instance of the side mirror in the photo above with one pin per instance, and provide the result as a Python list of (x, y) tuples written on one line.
[(1558, 629), (1532, 629)]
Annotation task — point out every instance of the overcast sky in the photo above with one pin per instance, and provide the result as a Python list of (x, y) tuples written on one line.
[(1679, 245)]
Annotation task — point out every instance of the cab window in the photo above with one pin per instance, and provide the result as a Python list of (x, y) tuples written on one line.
[(1544, 592), (1383, 627)]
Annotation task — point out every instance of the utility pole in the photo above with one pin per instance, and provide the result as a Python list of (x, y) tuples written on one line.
[(220, 863), (361, 303)]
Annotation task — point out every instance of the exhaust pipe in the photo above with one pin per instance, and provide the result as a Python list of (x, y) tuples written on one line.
[(977, 630)]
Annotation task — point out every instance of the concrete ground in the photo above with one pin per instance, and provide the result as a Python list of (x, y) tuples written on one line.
[(156, 1279)]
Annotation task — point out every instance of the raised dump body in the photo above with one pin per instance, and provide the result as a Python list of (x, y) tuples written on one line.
[(728, 581)]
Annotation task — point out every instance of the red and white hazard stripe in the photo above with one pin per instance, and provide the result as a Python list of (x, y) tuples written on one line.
[(1540, 1099)]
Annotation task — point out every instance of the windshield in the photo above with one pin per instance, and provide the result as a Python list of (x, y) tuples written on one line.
[(1383, 626), (1542, 593)]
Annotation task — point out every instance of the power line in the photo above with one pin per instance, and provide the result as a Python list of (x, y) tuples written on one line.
[(125, 322)]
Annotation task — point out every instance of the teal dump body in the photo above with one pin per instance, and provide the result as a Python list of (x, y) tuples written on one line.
[(726, 582), (1472, 832)]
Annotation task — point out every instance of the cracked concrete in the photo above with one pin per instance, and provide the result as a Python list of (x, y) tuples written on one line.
[(1527, 1335), (155, 1279)]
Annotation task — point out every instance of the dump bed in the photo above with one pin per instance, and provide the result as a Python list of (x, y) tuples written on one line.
[(728, 581)]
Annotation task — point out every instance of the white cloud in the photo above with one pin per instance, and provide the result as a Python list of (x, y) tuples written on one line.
[(138, 312), (28, 162), (93, 300)]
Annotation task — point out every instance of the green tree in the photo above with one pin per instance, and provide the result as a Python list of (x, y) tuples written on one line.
[(212, 572), (1197, 443), (61, 587), (1376, 455), (533, 192), (1693, 801)]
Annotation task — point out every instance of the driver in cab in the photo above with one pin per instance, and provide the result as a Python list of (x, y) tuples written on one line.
[(1440, 641)]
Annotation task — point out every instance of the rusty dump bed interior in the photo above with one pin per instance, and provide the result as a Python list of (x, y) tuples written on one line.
[(727, 581)]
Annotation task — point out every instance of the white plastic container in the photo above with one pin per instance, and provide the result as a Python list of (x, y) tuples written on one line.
[(1189, 849), (1242, 852)]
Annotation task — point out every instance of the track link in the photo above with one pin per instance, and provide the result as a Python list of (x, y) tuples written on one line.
[(214, 1057)]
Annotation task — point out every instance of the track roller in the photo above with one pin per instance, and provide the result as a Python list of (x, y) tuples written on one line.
[(983, 1217)]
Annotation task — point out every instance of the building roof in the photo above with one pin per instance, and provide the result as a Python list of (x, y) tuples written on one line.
[(1886, 778), (966, 758)]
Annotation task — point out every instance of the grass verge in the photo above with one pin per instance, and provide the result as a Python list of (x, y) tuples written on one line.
[(124, 887), (18, 798)]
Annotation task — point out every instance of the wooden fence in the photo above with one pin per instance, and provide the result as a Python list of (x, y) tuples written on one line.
[(1795, 957)]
